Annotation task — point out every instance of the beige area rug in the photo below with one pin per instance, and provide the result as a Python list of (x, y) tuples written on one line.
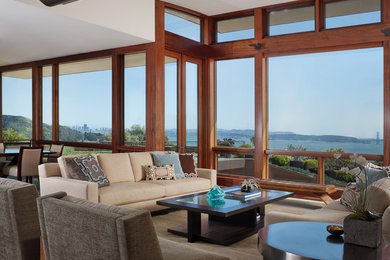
[(243, 250)]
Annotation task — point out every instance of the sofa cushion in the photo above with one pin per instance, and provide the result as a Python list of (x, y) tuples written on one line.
[(129, 192), (138, 161), (378, 195), (372, 176), (86, 168), (117, 166), (64, 171), (160, 159), (182, 186)]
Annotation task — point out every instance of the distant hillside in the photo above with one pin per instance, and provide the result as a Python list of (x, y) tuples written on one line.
[(24, 126)]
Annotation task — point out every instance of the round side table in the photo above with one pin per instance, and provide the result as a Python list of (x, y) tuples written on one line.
[(310, 240)]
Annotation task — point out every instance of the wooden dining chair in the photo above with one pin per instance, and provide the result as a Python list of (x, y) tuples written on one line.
[(28, 160), (57, 148)]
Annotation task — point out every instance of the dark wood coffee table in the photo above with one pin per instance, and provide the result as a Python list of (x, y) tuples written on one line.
[(228, 221), (310, 240)]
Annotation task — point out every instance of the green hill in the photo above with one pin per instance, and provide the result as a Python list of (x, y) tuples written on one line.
[(23, 126)]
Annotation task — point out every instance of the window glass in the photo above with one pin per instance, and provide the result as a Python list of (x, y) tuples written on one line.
[(135, 99), (235, 29), (47, 100), (85, 101), (17, 104), (351, 12), (291, 20), (235, 102), (192, 107), (70, 150), (171, 85), (326, 102), (236, 164), (183, 24)]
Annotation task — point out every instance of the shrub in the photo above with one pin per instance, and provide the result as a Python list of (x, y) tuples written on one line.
[(311, 165), (280, 160), (344, 176)]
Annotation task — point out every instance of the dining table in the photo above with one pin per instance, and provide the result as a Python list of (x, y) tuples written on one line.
[(14, 152)]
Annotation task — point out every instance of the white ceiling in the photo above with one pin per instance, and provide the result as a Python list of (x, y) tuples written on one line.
[(214, 7), (29, 33)]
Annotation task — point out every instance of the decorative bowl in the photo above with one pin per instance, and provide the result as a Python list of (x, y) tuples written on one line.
[(335, 230)]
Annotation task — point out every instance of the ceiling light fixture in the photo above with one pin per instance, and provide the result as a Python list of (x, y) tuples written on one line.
[(56, 2)]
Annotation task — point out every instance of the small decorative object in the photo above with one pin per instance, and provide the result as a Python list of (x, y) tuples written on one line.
[(362, 227), (249, 185), (216, 193), (216, 203), (335, 230)]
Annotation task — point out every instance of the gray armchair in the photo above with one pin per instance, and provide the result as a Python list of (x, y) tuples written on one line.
[(19, 224), (74, 228)]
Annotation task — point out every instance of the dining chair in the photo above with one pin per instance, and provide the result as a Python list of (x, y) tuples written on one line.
[(28, 160), (19, 225), (57, 148)]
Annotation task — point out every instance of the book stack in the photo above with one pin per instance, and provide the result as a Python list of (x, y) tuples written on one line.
[(236, 193)]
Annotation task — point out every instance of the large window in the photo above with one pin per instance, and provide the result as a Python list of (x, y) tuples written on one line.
[(47, 99), (235, 113), (351, 12), (235, 29), (171, 85), (17, 104), (192, 107), (85, 101), (135, 99), (329, 101), (291, 20), (183, 24)]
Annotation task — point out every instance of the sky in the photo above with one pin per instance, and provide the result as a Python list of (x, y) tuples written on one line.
[(352, 104)]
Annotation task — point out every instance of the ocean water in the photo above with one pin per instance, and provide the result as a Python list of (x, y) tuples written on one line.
[(362, 148)]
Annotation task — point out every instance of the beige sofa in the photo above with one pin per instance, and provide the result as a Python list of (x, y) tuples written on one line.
[(378, 199), (128, 184)]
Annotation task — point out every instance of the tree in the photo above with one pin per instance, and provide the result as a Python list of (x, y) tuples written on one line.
[(135, 135), (11, 133), (226, 142)]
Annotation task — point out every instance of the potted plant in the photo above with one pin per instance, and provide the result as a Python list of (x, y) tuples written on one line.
[(362, 227)]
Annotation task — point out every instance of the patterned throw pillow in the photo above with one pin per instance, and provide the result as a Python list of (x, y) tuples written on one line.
[(166, 172), (86, 168), (161, 159), (187, 161)]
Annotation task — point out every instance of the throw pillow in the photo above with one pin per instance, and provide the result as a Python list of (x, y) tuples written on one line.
[(372, 176), (166, 172), (350, 195), (86, 168), (187, 162), (161, 159), (384, 168)]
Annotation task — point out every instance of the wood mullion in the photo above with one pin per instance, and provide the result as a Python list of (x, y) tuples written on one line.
[(260, 23), (36, 103), (386, 12), (386, 102), (55, 102), (319, 15), (208, 31), (117, 102)]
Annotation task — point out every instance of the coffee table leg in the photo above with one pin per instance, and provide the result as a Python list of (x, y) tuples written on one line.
[(193, 225), (262, 216)]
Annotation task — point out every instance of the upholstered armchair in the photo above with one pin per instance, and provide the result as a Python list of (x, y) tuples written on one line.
[(74, 228), (19, 224)]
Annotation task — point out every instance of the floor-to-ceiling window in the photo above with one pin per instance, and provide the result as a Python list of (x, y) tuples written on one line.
[(17, 104), (85, 101), (329, 102), (47, 100)]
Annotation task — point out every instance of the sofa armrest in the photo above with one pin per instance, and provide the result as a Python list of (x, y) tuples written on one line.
[(49, 170), (77, 188), (208, 174), (386, 222)]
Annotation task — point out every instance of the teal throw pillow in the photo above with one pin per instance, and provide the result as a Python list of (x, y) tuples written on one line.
[(372, 176), (161, 159)]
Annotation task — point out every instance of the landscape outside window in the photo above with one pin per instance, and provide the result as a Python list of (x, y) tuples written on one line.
[(85, 101), (183, 24), (135, 99), (324, 102), (235, 113), (17, 104), (47, 100), (192, 108)]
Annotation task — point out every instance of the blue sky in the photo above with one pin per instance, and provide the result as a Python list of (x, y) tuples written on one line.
[(351, 105)]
